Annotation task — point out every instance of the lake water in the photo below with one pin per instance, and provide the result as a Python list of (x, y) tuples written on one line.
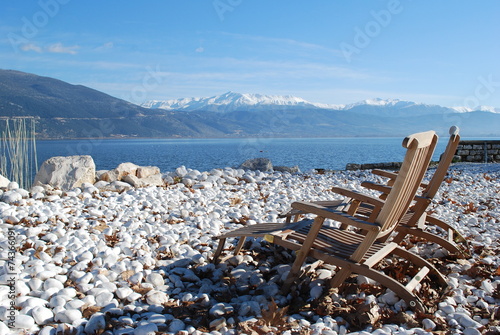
[(206, 154)]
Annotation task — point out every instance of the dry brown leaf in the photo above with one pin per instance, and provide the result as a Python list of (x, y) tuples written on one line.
[(112, 239), (101, 227), (274, 316), (367, 314), (88, 311), (27, 245), (37, 252), (141, 290), (127, 274)]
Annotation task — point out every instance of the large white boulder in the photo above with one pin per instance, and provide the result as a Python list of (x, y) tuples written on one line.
[(135, 175), (122, 170), (66, 172)]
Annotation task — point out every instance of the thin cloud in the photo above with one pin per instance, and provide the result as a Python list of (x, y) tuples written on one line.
[(60, 48), (285, 41), (105, 46), (31, 47)]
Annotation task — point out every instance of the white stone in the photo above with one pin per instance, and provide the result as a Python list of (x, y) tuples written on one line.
[(217, 324), (66, 173), (24, 322), (123, 292), (37, 189), (471, 331), (149, 329), (155, 297), (68, 316), (181, 171), (52, 283), (96, 323), (47, 330), (156, 279), (390, 298), (4, 182), (176, 326), (103, 298), (12, 186), (147, 171), (428, 324), (118, 173), (11, 197), (42, 315), (466, 321)]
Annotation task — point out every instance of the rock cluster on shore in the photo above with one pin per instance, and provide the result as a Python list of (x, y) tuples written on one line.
[(100, 259)]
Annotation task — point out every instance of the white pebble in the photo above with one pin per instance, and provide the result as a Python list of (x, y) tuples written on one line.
[(471, 331), (123, 292), (52, 283), (103, 298), (176, 326), (156, 279), (96, 323), (155, 297), (68, 316), (42, 315), (149, 329), (428, 324), (24, 322)]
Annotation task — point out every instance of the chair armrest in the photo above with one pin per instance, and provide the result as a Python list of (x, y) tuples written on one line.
[(391, 175), (358, 196), (377, 187), (384, 173), (335, 215)]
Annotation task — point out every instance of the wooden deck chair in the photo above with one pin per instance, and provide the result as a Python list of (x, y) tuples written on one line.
[(416, 221), (355, 252)]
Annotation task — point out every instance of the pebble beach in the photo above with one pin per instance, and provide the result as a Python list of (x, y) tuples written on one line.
[(91, 261)]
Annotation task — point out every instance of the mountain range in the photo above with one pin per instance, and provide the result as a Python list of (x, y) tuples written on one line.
[(63, 110)]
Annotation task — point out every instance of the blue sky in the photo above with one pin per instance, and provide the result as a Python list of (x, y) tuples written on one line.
[(336, 52)]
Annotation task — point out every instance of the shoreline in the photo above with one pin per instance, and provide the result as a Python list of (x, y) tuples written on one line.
[(133, 256)]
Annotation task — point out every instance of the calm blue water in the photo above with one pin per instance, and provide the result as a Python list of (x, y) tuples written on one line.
[(206, 154)]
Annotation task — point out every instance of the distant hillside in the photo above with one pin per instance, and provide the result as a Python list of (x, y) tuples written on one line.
[(63, 110)]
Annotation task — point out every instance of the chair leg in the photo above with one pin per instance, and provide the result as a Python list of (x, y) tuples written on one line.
[(217, 253), (301, 254), (240, 244), (340, 277)]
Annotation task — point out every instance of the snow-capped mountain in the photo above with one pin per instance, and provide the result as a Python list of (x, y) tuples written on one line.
[(272, 115), (232, 101), (480, 108)]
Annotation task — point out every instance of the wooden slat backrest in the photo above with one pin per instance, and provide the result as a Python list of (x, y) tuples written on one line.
[(420, 148), (444, 163)]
